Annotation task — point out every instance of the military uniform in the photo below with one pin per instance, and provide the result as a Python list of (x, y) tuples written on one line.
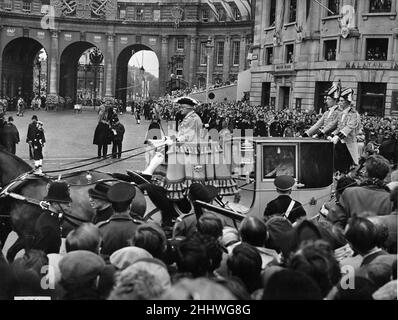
[(327, 118), (103, 215), (116, 231), (346, 127)]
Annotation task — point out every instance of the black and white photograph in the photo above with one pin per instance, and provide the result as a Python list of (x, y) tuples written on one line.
[(224, 151)]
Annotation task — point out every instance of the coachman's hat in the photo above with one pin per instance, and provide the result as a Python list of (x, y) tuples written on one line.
[(99, 191), (347, 94), (284, 183), (187, 101), (334, 91), (58, 192), (121, 192)]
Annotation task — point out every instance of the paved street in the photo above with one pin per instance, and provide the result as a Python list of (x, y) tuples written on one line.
[(70, 137)]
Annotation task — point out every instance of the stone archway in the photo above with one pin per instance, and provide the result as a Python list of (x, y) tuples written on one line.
[(18, 58), (69, 68), (122, 69)]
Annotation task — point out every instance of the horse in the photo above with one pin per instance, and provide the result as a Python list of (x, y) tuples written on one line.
[(22, 192)]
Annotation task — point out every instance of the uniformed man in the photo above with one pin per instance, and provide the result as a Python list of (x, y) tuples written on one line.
[(120, 227), (191, 125), (99, 202), (344, 136), (333, 95), (284, 205), (186, 224), (47, 232)]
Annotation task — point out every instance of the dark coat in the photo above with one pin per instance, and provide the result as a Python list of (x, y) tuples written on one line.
[(10, 136), (103, 215), (47, 233), (116, 232), (32, 128), (279, 206), (119, 128), (102, 134), (38, 142)]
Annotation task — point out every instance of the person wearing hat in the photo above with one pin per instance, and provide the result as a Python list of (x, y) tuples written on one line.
[(120, 227), (186, 224), (38, 143), (47, 231), (191, 125), (118, 133), (99, 202), (284, 205), (329, 116), (10, 135), (32, 128), (344, 133)]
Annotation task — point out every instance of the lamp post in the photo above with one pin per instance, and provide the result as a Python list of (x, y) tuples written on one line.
[(143, 92), (209, 46), (96, 58)]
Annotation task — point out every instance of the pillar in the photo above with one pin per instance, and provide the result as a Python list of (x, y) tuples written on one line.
[(242, 54), (192, 60), (163, 61), (54, 64), (227, 56), (109, 65)]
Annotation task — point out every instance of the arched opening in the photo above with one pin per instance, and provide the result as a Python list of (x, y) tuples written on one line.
[(24, 71), (137, 75), (81, 73)]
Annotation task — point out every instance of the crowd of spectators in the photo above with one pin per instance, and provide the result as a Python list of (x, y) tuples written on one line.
[(261, 259)]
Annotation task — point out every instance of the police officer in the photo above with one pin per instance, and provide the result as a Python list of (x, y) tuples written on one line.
[(284, 205), (47, 231), (333, 95), (120, 227), (38, 143), (99, 202), (344, 136)]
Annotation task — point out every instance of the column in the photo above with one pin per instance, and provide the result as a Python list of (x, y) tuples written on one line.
[(53, 58), (242, 55), (227, 55), (110, 52), (163, 61), (212, 60), (192, 60)]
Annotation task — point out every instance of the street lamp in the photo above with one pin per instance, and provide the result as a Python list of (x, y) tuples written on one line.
[(96, 58), (209, 46)]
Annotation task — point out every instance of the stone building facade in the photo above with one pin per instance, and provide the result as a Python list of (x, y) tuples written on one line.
[(300, 47), (176, 30)]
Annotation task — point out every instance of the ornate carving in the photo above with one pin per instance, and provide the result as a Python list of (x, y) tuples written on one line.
[(164, 39), (177, 13), (101, 7)]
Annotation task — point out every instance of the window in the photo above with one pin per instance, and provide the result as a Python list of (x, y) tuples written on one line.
[(289, 53), (122, 12), (139, 14), (330, 50), (269, 55), (376, 49), (7, 5), (203, 54), (235, 52), (371, 98), (279, 160), (26, 6), (321, 91), (179, 68), (265, 93), (236, 13), (272, 13), (293, 11), (334, 6), (205, 15), (180, 44), (220, 53), (377, 6), (202, 82)]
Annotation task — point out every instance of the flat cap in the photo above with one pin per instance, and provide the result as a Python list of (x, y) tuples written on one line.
[(121, 192), (80, 266), (99, 191), (125, 257), (284, 183)]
